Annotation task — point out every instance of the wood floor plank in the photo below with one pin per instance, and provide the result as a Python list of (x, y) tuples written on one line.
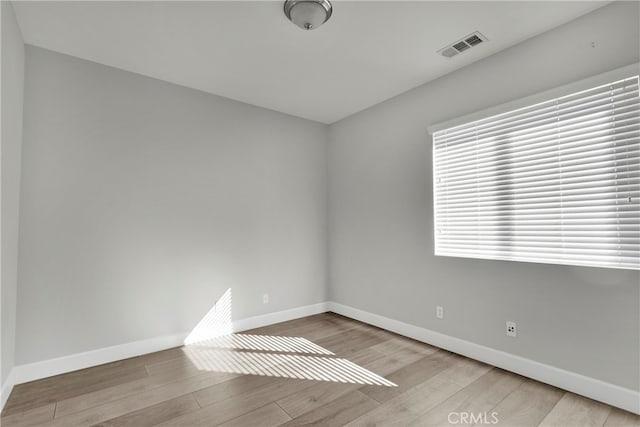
[(573, 410), (267, 416), (315, 396), (479, 397), (366, 357), (312, 327), (30, 417), (342, 323), (158, 356), (619, 418), (324, 392), (314, 331), (183, 363), (50, 390), (410, 376), (405, 408), (392, 362), (228, 389), (395, 343), (338, 412), (528, 404), (282, 327), (124, 406), (389, 414), (121, 367), (428, 395), (228, 409), (465, 371), (408, 406), (104, 395), (348, 342), (154, 414)]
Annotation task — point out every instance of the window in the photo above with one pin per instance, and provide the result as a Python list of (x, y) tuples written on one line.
[(555, 182)]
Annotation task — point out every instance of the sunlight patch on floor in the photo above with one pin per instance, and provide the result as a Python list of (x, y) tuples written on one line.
[(317, 368), (265, 343), (212, 346)]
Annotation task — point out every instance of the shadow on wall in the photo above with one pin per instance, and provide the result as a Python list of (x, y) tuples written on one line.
[(212, 346)]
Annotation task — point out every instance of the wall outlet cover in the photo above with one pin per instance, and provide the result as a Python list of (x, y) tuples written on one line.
[(511, 329)]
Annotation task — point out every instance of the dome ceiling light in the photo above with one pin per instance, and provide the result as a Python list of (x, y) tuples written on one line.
[(308, 14)]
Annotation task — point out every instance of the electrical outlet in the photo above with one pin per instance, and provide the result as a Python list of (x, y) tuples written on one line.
[(439, 312), (511, 329), (265, 299)]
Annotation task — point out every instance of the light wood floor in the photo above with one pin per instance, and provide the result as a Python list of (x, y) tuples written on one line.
[(171, 387)]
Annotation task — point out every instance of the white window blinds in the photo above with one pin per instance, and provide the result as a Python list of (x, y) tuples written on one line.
[(556, 182)]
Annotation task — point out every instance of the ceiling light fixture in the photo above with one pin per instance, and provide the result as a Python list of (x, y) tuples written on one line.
[(308, 14)]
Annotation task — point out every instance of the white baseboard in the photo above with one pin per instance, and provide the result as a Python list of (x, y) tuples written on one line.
[(6, 389), (73, 362), (47, 368), (611, 394), (595, 389), (279, 316)]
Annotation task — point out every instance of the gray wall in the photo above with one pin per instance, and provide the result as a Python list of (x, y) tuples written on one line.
[(143, 202), (584, 320), (12, 86)]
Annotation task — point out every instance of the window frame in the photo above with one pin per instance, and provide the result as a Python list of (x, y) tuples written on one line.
[(528, 101)]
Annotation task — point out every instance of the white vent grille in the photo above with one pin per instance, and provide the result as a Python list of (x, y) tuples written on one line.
[(463, 44)]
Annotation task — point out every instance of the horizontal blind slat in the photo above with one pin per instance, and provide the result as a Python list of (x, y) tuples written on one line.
[(555, 182), (626, 86), (557, 121)]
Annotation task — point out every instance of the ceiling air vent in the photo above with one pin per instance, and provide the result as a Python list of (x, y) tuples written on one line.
[(460, 46), (463, 44)]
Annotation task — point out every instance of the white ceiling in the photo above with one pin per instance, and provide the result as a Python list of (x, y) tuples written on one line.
[(367, 52)]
